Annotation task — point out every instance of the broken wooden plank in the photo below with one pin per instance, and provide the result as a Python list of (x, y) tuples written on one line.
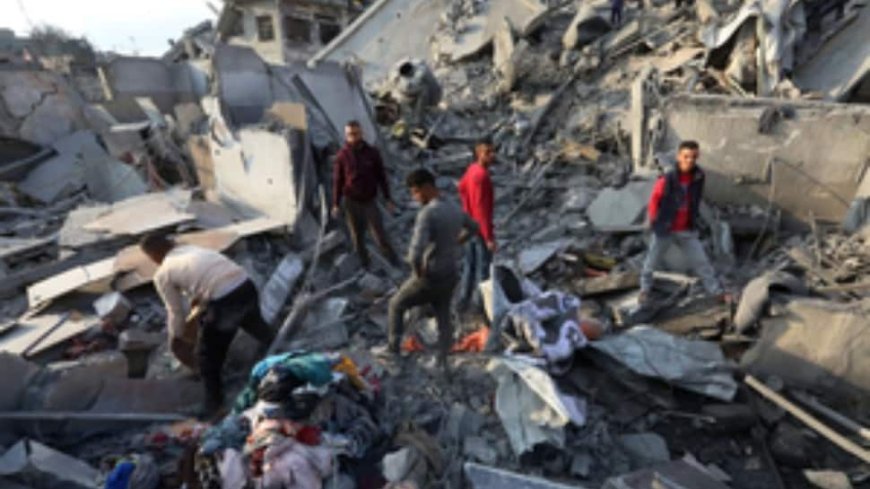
[(700, 315), (808, 419), (614, 282)]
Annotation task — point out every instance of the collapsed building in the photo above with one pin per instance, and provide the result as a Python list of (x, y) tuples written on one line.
[(226, 142)]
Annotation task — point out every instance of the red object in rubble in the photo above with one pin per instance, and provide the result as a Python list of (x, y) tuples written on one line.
[(472, 343)]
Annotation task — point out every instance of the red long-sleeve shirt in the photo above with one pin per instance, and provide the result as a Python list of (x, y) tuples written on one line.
[(683, 219), (358, 172), (476, 194)]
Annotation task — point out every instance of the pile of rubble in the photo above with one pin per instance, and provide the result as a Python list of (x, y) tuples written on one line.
[(230, 152)]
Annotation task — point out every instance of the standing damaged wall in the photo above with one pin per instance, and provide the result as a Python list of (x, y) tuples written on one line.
[(809, 158)]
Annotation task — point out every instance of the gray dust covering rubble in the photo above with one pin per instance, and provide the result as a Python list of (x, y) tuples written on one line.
[(565, 376)]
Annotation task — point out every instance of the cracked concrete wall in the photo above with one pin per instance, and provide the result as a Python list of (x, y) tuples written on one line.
[(812, 160), (38, 106)]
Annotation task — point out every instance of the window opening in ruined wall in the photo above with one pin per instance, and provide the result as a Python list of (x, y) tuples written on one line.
[(265, 28)]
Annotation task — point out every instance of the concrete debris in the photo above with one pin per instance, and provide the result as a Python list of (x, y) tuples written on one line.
[(698, 366), (227, 142), (586, 27), (828, 479), (815, 345), (483, 477), (279, 286), (39, 466), (756, 294), (674, 474), (645, 449), (622, 207), (113, 308)]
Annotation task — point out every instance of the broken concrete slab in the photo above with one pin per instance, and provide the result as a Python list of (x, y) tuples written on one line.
[(839, 67), (478, 32), (674, 474), (93, 277), (54, 179), (279, 286), (367, 39), (620, 207), (138, 215), (479, 450), (698, 366), (38, 465), (483, 477), (587, 26), (816, 345), (755, 296), (533, 258), (645, 449), (18, 157), (323, 328)]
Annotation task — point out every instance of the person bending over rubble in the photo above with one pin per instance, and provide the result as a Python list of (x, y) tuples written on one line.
[(476, 195), (222, 297), (358, 172), (673, 216), (433, 253)]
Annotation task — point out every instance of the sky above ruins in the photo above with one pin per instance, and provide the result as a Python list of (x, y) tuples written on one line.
[(111, 25)]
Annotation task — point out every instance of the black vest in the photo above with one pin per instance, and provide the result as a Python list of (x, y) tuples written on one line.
[(673, 198)]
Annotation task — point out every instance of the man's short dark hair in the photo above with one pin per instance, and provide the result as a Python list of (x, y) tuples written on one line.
[(156, 243), (354, 124), (689, 144), (482, 142), (420, 178)]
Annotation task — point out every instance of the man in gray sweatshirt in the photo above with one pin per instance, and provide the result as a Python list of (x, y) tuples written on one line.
[(434, 255)]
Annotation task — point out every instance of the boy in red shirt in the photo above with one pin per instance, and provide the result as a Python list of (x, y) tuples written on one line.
[(673, 216), (476, 195)]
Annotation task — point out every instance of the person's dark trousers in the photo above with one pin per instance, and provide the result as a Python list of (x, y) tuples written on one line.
[(616, 15), (219, 325), (475, 269), (436, 291), (366, 215)]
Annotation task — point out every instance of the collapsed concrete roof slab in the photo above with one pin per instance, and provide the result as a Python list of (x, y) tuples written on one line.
[(168, 84), (388, 31), (841, 64), (811, 162), (478, 32)]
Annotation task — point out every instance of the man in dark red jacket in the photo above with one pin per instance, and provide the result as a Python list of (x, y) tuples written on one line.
[(476, 194), (357, 175), (673, 216)]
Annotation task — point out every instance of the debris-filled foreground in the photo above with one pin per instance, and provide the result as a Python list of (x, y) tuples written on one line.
[(572, 366)]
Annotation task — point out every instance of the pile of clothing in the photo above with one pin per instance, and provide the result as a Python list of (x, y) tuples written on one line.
[(300, 416)]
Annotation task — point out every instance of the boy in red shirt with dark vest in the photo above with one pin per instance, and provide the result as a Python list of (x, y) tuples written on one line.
[(673, 216)]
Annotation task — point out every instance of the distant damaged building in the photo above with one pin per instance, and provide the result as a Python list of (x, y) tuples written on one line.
[(285, 30)]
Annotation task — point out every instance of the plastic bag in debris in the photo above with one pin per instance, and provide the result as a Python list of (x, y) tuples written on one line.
[(550, 324), (698, 366), (530, 406)]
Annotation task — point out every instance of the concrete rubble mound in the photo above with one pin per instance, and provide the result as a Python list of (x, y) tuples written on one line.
[(611, 328)]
